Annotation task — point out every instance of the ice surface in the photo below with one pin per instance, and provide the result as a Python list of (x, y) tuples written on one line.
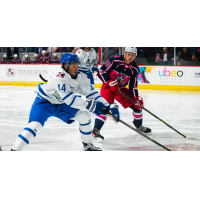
[(180, 109)]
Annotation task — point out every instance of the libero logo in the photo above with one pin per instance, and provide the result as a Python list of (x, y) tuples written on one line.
[(168, 73)]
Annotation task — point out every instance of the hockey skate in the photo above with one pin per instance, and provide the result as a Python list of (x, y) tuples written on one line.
[(142, 129), (97, 137), (90, 147)]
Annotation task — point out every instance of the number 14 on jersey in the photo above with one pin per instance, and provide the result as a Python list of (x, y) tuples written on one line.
[(62, 87)]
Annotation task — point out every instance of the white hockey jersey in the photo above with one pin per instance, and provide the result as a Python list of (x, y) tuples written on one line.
[(61, 88), (87, 59)]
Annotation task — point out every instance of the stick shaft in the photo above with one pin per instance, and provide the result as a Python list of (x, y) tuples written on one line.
[(153, 115), (164, 123), (165, 148)]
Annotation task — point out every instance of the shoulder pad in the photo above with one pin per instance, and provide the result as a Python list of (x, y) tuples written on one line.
[(135, 64), (116, 57), (79, 51)]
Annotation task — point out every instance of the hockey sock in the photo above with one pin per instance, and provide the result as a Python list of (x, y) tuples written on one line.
[(84, 119), (99, 122), (26, 135), (137, 115)]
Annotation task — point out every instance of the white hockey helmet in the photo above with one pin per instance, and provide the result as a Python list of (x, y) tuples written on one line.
[(131, 50)]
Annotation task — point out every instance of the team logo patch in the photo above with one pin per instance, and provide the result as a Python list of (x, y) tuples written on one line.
[(10, 72), (60, 74)]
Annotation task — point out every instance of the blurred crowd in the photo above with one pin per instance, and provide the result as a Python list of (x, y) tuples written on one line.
[(145, 55), (34, 55), (184, 56)]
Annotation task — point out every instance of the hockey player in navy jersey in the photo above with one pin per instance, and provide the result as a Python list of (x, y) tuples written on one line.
[(55, 60), (37, 60), (118, 72), (16, 60), (5, 61), (57, 99), (27, 60), (88, 62)]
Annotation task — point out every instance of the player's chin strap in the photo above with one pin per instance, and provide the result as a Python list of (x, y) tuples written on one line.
[(193, 137), (110, 114)]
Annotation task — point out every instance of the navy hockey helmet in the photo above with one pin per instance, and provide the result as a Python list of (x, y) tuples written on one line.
[(69, 58)]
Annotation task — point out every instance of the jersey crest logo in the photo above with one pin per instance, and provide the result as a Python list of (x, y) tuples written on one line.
[(60, 74), (120, 78)]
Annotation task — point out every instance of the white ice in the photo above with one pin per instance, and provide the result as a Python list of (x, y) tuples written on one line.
[(180, 109)]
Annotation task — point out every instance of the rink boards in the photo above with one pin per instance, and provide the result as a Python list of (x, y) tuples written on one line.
[(151, 77)]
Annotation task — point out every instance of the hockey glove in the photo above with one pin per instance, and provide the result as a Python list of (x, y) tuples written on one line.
[(96, 107), (114, 108), (113, 85), (139, 103), (95, 68)]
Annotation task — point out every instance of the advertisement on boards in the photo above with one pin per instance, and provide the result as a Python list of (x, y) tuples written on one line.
[(162, 75), (155, 75), (22, 72)]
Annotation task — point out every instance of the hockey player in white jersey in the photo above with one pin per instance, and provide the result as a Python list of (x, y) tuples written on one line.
[(88, 62), (57, 99)]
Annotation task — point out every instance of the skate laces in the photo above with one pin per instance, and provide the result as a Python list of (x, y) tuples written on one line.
[(96, 131), (142, 128)]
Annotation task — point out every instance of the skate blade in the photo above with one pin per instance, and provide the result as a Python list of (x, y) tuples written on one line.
[(94, 139), (148, 133)]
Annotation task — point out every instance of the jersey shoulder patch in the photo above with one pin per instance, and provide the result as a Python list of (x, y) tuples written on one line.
[(60, 74)]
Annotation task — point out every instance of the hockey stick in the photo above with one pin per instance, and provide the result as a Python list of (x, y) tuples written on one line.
[(126, 125), (40, 75), (165, 148), (186, 137)]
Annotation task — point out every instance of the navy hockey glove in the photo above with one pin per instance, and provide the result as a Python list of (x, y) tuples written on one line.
[(114, 108), (95, 68), (96, 107)]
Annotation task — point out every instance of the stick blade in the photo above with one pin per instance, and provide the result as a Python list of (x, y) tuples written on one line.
[(193, 137)]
